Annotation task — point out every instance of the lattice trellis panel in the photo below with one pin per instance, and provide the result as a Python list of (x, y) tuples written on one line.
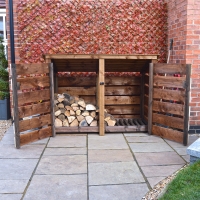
[(91, 27)]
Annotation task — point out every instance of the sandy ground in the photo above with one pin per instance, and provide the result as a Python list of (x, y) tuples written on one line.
[(4, 125)]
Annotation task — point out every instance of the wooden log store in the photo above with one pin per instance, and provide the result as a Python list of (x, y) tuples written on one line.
[(155, 99)]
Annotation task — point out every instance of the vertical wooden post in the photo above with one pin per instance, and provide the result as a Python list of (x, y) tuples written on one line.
[(187, 104), (142, 97), (15, 106), (101, 95), (150, 98), (51, 77)]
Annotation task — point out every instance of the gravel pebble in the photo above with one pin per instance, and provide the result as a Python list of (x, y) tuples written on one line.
[(4, 125)]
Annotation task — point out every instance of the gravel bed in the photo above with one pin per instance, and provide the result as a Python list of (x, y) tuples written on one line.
[(161, 187), (4, 125)]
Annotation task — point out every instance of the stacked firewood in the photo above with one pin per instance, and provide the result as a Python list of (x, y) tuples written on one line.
[(73, 111)]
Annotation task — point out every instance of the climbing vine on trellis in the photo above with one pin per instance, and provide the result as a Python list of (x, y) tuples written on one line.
[(91, 27)]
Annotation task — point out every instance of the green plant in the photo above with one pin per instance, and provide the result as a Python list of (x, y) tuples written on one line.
[(4, 76)]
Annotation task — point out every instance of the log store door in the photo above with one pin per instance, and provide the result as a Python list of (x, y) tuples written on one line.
[(169, 92), (32, 102)]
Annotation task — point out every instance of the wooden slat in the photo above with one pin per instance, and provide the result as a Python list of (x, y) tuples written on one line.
[(146, 111), (170, 121), (169, 68), (100, 56), (89, 99), (146, 79), (150, 102), (35, 122), (170, 134), (35, 135), (15, 107), (89, 129), (35, 96), (76, 91), (142, 96), (124, 109), (101, 96), (172, 108), (33, 82), (76, 81), (32, 68), (146, 100), (126, 116), (146, 89), (116, 80), (187, 105), (122, 90), (122, 100), (25, 111), (165, 94), (169, 81)]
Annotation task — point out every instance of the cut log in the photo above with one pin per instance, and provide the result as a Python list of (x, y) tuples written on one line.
[(60, 99), (81, 103), (65, 122), (56, 108), (76, 98), (82, 108), (66, 102), (55, 96), (58, 122), (61, 117), (74, 105), (74, 123), (63, 110), (90, 107), (67, 113), (58, 112), (111, 122), (60, 105), (71, 119), (68, 107), (56, 102), (107, 117), (78, 112), (94, 123), (93, 114), (80, 118), (83, 123), (75, 108), (89, 119), (72, 112), (97, 117), (85, 113)]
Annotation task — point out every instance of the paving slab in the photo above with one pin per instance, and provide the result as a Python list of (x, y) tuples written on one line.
[(160, 158), (135, 134), (101, 155), (114, 173), (118, 192), (10, 130), (67, 141), (60, 187), (152, 171), (8, 139), (150, 147), (13, 186), (181, 150), (42, 141), (153, 181), (10, 196), (26, 151), (186, 158), (64, 151), (109, 141), (17, 168), (68, 164), (145, 139)]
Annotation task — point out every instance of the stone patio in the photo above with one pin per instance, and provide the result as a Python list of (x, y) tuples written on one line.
[(87, 166)]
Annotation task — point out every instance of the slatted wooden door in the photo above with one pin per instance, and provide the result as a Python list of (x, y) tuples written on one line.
[(169, 92), (32, 102)]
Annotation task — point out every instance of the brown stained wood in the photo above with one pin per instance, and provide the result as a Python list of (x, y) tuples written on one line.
[(35, 135), (150, 102), (146, 111), (32, 68), (146, 79), (187, 104), (76, 81), (125, 81), (169, 68), (167, 133), (170, 121), (101, 96), (115, 129), (126, 116), (76, 91), (25, 111), (146, 89), (35, 122), (169, 81), (121, 100), (15, 107), (122, 90), (146, 100), (33, 82), (89, 129), (172, 108), (35, 96), (142, 96), (165, 94), (89, 99), (124, 109)]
